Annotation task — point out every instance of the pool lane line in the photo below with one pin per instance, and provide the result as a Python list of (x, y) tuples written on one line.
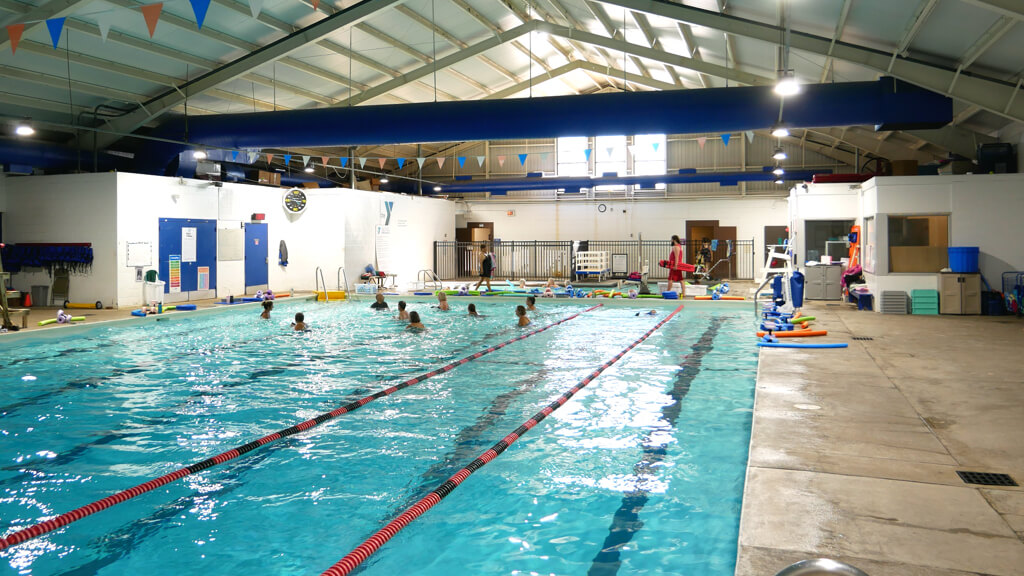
[(52, 524), (360, 553), (626, 520)]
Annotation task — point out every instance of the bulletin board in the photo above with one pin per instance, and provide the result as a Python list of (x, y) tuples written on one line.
[(192, 246), (138, 254)]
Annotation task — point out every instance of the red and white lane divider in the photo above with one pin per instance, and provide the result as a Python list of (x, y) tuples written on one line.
[(56, 522), (359, 555)]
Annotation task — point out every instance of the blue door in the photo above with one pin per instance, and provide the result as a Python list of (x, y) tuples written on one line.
[(255, 257)]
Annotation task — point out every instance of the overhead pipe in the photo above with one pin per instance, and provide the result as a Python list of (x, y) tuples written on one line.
[(886, 102)]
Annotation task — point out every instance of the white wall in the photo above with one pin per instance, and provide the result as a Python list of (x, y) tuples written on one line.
[(337, 229), (984, 211), (821, 202), (626, 219), (66, 209)]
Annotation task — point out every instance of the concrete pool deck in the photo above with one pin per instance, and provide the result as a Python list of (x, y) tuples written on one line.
[(854, 452)]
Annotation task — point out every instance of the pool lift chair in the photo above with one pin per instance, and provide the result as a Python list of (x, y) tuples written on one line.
[(780, 252), (704, 273)]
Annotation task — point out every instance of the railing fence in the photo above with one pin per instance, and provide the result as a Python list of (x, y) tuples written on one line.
[(542, 259)]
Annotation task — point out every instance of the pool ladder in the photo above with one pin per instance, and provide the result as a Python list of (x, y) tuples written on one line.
[(820, 567), (428, 275)]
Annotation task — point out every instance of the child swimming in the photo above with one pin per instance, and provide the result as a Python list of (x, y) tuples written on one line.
[(472, 311), (268, 305), (521, 313), (414, 322), (402, 314), (530, 301), (299, 325)]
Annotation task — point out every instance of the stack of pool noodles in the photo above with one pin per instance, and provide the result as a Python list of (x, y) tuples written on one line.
[(784, 324)]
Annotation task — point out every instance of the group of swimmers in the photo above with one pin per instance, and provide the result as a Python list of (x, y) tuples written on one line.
[(299, 325), (415, 323)]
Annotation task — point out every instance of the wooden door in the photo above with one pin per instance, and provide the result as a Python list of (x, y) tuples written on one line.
[(696, 230), (725, 234)]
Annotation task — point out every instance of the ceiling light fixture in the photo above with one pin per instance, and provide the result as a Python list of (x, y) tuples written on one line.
[(780, 130), (780, 181), (199, 155), (437, 188), (383, 179), (308, 169), (787, 84), (24, 130), (779, 154), (778, 171)]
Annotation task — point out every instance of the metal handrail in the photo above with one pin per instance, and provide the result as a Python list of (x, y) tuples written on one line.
[(819, 567), (757, 293), (428, 274), (318, 278), (342, 274)]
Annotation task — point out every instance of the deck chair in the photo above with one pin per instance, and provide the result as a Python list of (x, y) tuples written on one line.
[(61, 286)]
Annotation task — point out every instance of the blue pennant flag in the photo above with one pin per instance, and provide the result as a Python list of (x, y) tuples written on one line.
[(587, 153), (56, 26), (522, 159), (234, 155), (199, 8), (656, 146), (725, 138), (344, 161), (287, 159), (401, 162), (462, 161)]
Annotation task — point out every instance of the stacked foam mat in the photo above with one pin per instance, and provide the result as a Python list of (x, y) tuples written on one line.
[(894, 302)]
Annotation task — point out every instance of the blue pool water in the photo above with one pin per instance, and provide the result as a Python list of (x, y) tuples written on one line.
[(621, 480)]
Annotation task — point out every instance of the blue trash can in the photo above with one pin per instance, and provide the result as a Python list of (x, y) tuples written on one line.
[(796, 287), (776, 288), (963, 259)]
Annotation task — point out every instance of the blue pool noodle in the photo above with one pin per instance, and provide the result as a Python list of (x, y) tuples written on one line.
[(782, 345)]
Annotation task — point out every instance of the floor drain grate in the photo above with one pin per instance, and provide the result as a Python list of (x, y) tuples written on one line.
[(832, 304), (863, 338), (986, 478)]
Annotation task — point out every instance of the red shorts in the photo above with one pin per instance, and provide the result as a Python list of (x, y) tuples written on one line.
[(675, 275)]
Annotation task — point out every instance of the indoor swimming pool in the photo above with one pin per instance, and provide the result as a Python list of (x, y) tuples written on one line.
[(640, 473)]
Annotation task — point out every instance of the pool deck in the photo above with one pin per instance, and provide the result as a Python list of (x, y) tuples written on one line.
[(854, 452)]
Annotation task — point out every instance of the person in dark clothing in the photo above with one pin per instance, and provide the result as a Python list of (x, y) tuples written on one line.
[(486, 268), (380, 304)]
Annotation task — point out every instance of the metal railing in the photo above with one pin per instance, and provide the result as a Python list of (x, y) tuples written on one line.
[(342, 274), (542, 259), (318, 278), (820, 567), (424, 276)]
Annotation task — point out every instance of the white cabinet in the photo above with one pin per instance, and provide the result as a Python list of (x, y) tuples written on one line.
[(823, 282)]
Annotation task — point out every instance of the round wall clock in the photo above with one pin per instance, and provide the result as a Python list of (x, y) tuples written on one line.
[(294, 201)]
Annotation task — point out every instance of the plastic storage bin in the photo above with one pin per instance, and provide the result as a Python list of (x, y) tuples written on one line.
[(153, 292), (964, 259), (924, 302)]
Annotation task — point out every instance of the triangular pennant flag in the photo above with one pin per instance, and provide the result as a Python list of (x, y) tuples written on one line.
[(587, 154), (522, 159), (362, 162), (462, 161), (440, 161), (701, 140), (255, 6), (344, 161), (609, 151), (401, 163), (14, 31), (480, 160), (103, 23), (56, 26), (544, 156), (656, 144), (725, 138), (151, 12), (324, 159), (316, 4), (420, 160), (270, 158), (199, 8), (750, 136), (234, 155), (305, 160), (501, 161), (252, 156), (287, 160)]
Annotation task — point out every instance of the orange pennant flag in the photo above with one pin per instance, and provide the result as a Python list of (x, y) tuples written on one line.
[(316, 4), (152, 14), (270, 158), (501, 161), (325, 159), (440, 161), (14, 31), (382, 161)]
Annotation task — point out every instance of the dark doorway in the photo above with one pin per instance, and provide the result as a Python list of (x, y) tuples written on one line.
[(774, 235)]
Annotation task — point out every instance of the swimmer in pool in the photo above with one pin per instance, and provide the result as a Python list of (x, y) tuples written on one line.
[(472, 311), (380, 304), (651, 313), (530, 301), (442, 301), (402, 314), (300, 322), (414, 322), (268, 305), (521, 313)]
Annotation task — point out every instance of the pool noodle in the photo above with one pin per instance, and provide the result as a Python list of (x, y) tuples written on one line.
[(788, 345)]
